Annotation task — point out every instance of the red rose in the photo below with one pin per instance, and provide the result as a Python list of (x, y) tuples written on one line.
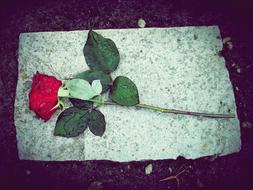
[(43, 96)]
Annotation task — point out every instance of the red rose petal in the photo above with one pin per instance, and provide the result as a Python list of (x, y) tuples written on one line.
[(44, 95)]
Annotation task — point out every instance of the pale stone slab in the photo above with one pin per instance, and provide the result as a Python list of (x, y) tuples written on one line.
[(172, 67)]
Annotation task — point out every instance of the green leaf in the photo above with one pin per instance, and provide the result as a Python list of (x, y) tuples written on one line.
[(91, 75), (97, 87), (63, 92), (81, 103), (99, 100), (124, 92), (97, 123), (72, 122), (81, 89), (101, 53)]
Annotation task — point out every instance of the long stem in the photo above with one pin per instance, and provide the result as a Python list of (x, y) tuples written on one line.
[(164, 110)]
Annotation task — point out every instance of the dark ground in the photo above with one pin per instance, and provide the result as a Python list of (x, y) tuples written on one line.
[(228, 172)]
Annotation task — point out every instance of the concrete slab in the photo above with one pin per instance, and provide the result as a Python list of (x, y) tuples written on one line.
[(172, 67)]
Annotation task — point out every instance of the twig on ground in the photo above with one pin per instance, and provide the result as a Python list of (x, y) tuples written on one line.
[(174, 177)]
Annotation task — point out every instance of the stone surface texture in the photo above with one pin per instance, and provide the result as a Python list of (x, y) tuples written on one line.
[(176, 68)]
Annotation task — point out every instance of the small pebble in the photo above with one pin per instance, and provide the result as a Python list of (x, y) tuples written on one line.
[(96, 185), (199, 183), (148, 169), (28, 172), (238, 70), (230, 45), (170, 170), (141, 23), (225, 40), (246, 124)]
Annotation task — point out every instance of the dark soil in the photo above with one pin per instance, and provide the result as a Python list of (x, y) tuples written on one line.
[(229, 172)]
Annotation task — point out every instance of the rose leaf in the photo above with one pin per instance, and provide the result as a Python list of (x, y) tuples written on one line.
[(97, 123), (97, 87), (101, 53), (81, 89), (124, 92), (63, 92), (72, 122), (81, 103), (91, 75)]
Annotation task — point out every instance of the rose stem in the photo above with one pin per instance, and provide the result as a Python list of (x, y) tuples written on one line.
[(164, 110)]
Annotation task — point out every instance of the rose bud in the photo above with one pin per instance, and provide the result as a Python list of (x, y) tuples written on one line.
[(43, 96)]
